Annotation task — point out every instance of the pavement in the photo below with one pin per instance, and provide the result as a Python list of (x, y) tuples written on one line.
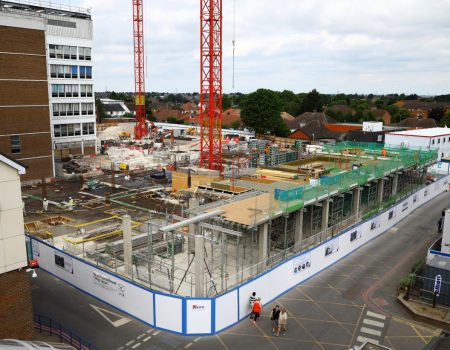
[(352, 301)]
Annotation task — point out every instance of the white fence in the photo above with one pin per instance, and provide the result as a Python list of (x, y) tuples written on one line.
[(205, 316)]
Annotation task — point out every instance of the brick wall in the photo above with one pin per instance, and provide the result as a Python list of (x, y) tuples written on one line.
[(22, 62), (16, 311)]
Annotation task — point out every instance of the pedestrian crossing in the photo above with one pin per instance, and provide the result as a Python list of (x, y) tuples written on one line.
[(372, 328)]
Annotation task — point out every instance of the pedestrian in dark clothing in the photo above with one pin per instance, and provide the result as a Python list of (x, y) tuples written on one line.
[(253, 298), (274, 316)]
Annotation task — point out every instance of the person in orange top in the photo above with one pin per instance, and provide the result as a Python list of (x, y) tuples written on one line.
[(256, 309)]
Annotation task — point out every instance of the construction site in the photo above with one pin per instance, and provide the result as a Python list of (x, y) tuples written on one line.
[(196, 232)]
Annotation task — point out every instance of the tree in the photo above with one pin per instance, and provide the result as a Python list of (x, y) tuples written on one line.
[(226, 102), (445, 122), (100, 110), (236, 124), (436, 113), (261, 111), (312, 102), (291, 102)]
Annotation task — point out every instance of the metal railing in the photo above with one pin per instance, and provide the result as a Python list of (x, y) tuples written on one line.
[(53, 328)]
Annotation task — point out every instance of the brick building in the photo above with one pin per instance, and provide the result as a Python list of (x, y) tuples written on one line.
[(16, 314), (24, 105)]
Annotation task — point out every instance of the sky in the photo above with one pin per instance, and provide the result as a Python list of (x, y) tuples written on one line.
[(362, 46)]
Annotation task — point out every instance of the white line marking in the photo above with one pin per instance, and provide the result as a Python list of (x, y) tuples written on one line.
[(197, 339), (364, 339), (130, 342), (140, 336), (136, 345), (373, 323), (104, 313), (370, 331), (188, 345), (373, 314), (149, 331), (157, 332), (147, 339)]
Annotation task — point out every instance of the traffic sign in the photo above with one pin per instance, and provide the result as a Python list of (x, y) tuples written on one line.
[(437, 284)]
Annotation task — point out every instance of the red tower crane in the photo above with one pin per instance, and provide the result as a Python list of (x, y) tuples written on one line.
[(141, 128), (211, 84)]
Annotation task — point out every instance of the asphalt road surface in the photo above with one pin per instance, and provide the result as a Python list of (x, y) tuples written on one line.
[(352, 301)]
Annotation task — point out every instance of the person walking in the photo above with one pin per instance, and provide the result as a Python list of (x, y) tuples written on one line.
[(282, 320), (274, 316), (256, 309), (45, 204), (71, 204)]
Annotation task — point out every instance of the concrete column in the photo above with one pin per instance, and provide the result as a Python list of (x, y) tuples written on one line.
[(325, 210), (127, 245), (395, 184), (380, 187), (199, 266), (356, 200), (263, 235), (298, 237)]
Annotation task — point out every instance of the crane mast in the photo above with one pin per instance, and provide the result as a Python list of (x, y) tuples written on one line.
[(141, 128), (211, 84)]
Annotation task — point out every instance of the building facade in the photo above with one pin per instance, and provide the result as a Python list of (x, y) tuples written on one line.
[(16, 317), (24, 105)]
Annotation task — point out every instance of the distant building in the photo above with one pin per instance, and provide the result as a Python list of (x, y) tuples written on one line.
[(421, 109), (432, 138), (16, 317), (115, 108), (307, 117)]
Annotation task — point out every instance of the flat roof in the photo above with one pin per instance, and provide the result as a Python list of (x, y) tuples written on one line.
[(43, 8), (430, 132)]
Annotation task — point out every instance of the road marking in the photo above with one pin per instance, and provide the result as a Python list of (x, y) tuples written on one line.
[(197, 339), (374, 314), (130, 342), (147, 339), (149, 331), (364, 339), (188, 345), (373, 323), (370, 331), (136, 345), (103, 312), (140, 336), (157, 332)]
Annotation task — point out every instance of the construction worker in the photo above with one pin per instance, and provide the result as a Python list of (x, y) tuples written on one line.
[(45, 204), (71, 203)]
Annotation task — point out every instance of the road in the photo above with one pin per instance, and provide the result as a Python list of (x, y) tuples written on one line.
[(353, 300)]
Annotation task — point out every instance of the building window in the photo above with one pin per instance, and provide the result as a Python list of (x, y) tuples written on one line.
[(87, 109), (65, 130), (88, 129), (439, 140), (64, 90), (63, 52), (85, 72), (380, 138), (66, 109), (84, 53), (60, 71), (86, 90), (432, 142), (15, 143)]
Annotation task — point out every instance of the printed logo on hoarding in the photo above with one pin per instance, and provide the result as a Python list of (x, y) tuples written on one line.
[(198, 307), (108, 283)]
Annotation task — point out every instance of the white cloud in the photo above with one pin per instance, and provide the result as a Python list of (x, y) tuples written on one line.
[(345, 45)]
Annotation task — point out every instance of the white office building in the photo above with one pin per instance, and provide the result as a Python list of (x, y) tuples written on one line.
[(69, 38)]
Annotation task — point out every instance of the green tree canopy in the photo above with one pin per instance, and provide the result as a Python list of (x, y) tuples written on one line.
[(261, 111), (312, 102), (437, 113), (445, 122)]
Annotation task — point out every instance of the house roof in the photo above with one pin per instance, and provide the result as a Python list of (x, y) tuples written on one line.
[(21, 168), (412, 122), (299, 135), (341, 108), (343, 127), (230, 116), (286, 116), (424, 105), (306, 117), (189, 106), (113, 107), (164, 114)]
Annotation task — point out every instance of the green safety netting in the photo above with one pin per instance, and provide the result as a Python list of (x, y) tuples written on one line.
[(369, 161)]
